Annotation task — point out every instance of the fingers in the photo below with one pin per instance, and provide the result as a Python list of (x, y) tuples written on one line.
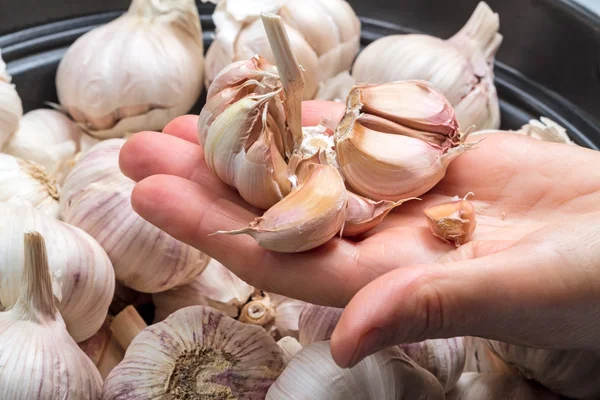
[(315, 110), (184, 127), (190, 212)]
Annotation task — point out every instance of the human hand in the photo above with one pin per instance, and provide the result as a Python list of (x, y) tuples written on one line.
[(530, 275)]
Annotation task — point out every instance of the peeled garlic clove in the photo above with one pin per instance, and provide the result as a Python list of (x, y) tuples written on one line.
[(137, 72), (396, 140), (312, 214), (96, 197), (453, 222), (289, 346), (444, 358), (480, 358), (28, 182), (39, 358), (11, 107), (474, 386), (197, 353), (317, 323), (571, 373), (461, 68), (216, 287), (83, 277), (386, 375)]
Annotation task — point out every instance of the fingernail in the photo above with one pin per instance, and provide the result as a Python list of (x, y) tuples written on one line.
[(371, 342)]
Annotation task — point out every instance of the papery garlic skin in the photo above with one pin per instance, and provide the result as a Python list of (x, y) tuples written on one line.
[(317, 323), (571, 373), (137, 72), (83, 277), (474, 386), (11, 107), (38, 358), (28, 182), (197, 353), (96, 197), (454, 221), (325, 36), (386, 375), (461, 68)]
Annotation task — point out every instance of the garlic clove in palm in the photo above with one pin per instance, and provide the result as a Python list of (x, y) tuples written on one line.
[(137, 72), (96, 197), (197, 353), (30, 183), (386, 375), (571, 373), (461, 68), (312, 214), (396, 140), (474, 386), (317, 323), (444, 358), (289, 346), (39, 359), (83, 277), (11, 107), (453, 222)]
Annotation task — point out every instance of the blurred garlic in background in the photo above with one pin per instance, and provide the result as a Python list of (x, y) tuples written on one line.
[(137, 72), (461, 68), (11, 107), (96, 197), (289, 346), (474, 386), (543, 129)]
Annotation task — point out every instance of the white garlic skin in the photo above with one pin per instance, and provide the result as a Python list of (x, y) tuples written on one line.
[(11, 107), (96, 197), (83, 277), (317, 323), (137, 72), (289, 346), (26, 182), (474, 386)]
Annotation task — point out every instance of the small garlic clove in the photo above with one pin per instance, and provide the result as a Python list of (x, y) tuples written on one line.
[(365, 214), (11, 107), (197, 353), (453, 222), (317, 323), (547, 130), (289, 346), (386, 375), (474, 386), (312, 214), (253, 68)]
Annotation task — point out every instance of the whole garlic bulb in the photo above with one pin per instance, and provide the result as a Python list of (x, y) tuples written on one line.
[(96, 197), (28, 182), (197, 353), (49, 138), (461, 68), (317, 323), (83, 277), (325, 36), (40, 361), (571, 373), (474, 386), (11, 107), (386, 375), (137, 72)]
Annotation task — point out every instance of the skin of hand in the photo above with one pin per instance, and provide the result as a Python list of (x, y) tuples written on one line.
[(529, 276)]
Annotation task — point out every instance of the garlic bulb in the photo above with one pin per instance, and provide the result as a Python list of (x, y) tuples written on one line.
[(137, 72), (83, 277), (461, 68), (289, 347), (28, 182), (96, 198), (216, 287), (473, 386), (325, 36), (49, 138), (388, 374), (453, 222), (40, 361), (571, 373), (444, 358), (11, 108), (197, 353), (317, 323)]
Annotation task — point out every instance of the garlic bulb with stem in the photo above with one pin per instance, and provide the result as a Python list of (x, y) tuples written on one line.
[(39, 358), (571, 373), (137, 72), (454, 221), (197, 353), (388, 374), (474, 386), (11, 107), (28, 182), (325, 36), (461, 68), (83, 277), (96, 198)]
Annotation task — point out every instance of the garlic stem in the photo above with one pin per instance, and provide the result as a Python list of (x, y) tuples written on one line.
[(36, 299), (259, 311), (126, 326)]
